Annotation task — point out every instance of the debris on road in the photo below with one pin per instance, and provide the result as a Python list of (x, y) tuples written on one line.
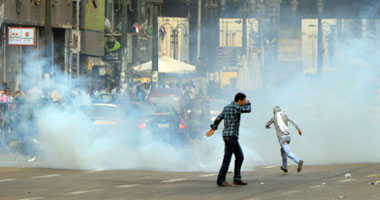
[(375, 182), (32, 159), (348, 175), (323, 183), (262, 183)]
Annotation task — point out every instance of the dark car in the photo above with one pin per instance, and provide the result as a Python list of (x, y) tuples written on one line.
[(190, 111), (173, 97), (163, 122)]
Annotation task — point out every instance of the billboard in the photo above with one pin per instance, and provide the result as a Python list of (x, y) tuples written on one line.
[(21, 36)]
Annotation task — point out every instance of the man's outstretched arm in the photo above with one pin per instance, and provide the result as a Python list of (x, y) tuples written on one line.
[(214, 126), (270, 122), (295, 125), (217, 121)]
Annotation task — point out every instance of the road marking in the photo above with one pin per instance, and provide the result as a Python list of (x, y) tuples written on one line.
[(174, 180), (34, 198), (93, 171), (268, 167), (85, 191), (127, 186), (47, 176), (292, 192), (7, 180), (207, 175), (372, 175), (315, 186), (346, 180)]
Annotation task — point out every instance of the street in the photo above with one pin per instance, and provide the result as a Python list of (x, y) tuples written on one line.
[(266, 182)]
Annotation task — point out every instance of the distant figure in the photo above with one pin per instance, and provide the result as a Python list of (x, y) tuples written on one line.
[(35, 94), (4, 85), (231, 115), (140, 91), (280, 121), (5, 95), (20, 94)]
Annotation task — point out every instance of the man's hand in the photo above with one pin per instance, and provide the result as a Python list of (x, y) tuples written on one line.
[(299, 132), (210, 133)]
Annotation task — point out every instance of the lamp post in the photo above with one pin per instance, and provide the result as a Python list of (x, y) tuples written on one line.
[(154, 15), (294, 6), (320, 36), (260, 10), (211, 45), (174, 36), (275, 18), (48, 39), (244, 13)]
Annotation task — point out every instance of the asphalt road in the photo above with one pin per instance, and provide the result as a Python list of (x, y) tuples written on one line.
[(268, 182)]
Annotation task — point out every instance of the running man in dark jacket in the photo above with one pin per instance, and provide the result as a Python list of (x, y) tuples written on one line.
[(231, 115)]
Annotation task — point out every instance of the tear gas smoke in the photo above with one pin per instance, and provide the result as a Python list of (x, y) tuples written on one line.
[(338, 113)]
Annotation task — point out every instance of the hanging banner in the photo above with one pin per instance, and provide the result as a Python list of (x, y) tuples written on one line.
[(21, 36)]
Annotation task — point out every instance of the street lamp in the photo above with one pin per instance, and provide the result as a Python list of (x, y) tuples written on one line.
[(174, 36)]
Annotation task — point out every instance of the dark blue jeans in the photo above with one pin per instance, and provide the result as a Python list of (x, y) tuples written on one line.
[(232, 146)]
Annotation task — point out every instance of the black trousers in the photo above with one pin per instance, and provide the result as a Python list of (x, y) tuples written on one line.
[(232, 146)]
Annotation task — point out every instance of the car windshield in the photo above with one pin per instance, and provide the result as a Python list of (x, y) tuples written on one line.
[(170, 100), (159, 110), (100, 111)]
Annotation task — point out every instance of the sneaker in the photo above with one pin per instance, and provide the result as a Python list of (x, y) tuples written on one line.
[(299, 168), (240, 182), (224, 184), (284, 170)]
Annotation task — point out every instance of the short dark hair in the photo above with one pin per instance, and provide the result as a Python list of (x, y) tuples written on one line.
[(239, 96)]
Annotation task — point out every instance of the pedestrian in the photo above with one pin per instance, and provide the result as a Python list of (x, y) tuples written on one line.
[(231, 115), (140, 91), (280, 121), (5, 95), (20, 94)]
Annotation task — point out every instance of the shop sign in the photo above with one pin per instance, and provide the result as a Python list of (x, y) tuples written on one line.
[(21, 36)]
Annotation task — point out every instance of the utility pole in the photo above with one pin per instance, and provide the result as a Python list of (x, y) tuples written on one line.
[(48, 38), (124, 40), (199, 28), (243, 9), (320, 36), (154, 14), (260, 14)]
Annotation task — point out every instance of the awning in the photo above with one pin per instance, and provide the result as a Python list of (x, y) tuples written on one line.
[(165, 65)]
